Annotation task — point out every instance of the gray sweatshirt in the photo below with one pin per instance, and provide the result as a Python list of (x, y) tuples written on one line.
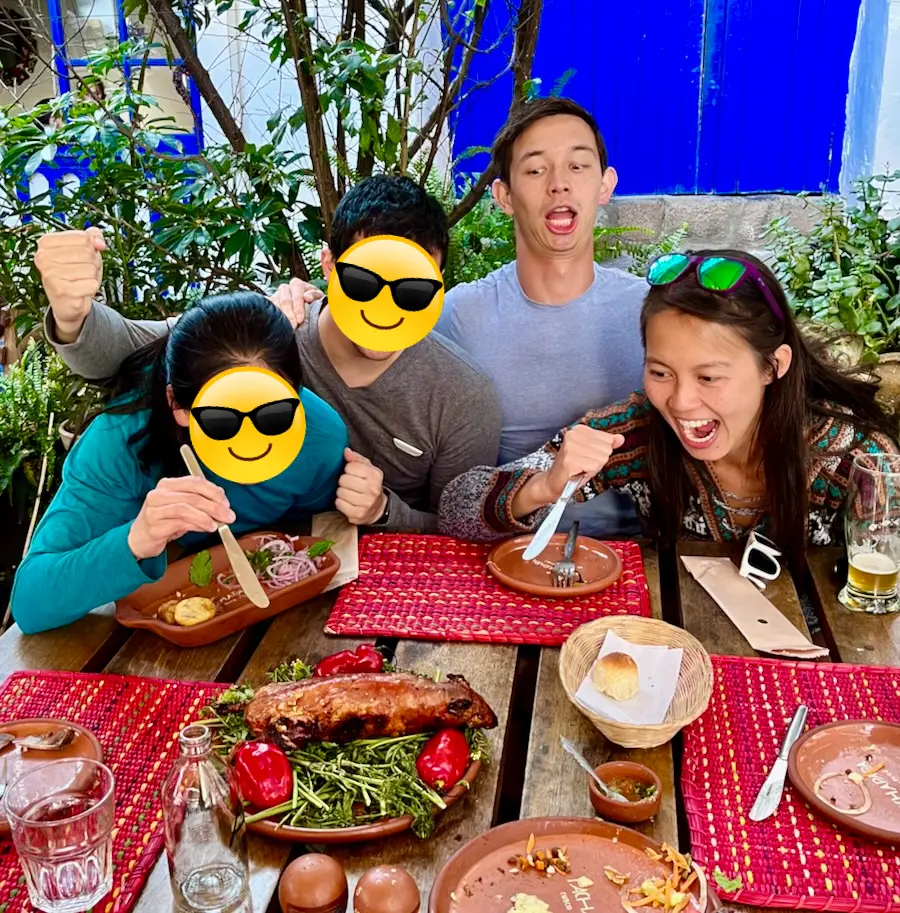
[(431, 416)]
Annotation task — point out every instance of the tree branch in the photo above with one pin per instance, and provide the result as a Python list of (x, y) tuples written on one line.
[(528, 23), (450, 91), (185, 47), (301, 46)]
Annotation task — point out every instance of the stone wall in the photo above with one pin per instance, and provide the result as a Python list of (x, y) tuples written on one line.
[(713, 221)]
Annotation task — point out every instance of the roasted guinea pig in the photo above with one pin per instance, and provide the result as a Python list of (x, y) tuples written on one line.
[(341, 708)]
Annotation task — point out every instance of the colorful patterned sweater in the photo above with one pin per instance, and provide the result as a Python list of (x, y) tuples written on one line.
[(477, 505)]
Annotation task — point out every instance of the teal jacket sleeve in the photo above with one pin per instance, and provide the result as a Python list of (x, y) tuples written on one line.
[(79, 557), (326, 438)]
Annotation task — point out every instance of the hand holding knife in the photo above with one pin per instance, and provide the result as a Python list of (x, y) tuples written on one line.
[(243, 572)]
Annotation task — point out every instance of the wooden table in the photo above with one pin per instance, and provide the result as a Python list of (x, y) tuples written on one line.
[(529, 774)]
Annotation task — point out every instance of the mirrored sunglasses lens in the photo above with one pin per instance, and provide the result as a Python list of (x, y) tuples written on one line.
[(276, 418), (218, 424), (667, 269), (719, 274), (358, 284), (414, 294)]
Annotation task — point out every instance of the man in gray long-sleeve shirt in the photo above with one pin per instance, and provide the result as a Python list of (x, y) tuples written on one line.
[(416, 418)]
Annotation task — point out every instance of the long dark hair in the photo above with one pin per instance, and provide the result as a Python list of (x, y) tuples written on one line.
[(217, 333), (812, 387)]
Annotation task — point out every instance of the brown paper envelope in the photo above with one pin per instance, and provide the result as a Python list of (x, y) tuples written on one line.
[(765, 628), (336, 527)]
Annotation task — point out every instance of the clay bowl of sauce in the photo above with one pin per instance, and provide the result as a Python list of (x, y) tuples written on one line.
[(640, 786)]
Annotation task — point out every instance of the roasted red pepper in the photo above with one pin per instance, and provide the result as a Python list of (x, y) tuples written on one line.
[(263, 774), (365, 658), (444, 759)]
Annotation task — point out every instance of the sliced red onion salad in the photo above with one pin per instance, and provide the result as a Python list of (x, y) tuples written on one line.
[(286, 567)]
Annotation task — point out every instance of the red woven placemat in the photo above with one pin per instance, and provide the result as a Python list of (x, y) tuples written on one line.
[(438, 588), (136, 721), (795, 859)]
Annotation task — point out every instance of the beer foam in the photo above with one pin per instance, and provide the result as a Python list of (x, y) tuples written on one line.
[(874, 563)]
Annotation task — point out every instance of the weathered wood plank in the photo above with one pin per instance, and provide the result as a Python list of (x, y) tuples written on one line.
[(490, 670), (554, 783), (148, 655), (708, 623), (869, 640), (84, 645)]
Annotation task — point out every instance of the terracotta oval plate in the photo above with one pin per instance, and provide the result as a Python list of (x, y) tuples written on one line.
[(856, 745), (599, 565), (374, 831), (84, 745), (477, 879), (234, 611)]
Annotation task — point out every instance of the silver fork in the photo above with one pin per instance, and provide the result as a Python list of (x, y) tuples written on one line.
[(564, 571)]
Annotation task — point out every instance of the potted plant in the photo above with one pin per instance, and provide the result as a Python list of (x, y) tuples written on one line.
[(843, 278)]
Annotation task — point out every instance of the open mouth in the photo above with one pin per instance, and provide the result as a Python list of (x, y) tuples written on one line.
[(237, 456), (562, 220), (378, 326), (698, 433)]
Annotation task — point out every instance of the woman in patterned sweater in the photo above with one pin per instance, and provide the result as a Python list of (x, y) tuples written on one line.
[(742, 424)]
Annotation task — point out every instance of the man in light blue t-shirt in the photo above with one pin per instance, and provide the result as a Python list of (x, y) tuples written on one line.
[(556, 333)]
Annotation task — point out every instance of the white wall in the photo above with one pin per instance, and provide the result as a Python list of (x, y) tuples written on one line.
[(887, 137)]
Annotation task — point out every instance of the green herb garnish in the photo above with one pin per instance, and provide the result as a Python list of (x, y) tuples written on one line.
[(725, 883), (201, 570), (295, 671), (319, 548), (259, 560), (645, 790)]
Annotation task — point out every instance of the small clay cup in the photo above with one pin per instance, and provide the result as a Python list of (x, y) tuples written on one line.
[(625, 812)]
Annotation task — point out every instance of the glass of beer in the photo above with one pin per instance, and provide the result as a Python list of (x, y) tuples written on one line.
[(872, 529)]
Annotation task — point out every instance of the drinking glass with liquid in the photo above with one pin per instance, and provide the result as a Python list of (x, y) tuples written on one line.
[(872, 530), (61, 817), (206, 842)]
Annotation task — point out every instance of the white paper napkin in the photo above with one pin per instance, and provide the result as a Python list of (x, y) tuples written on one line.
[(658, 671), (336, 527)]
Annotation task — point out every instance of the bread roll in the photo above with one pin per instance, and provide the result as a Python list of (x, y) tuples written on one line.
[(616, 675)]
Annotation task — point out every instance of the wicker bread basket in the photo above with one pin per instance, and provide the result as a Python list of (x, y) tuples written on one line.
[(692, 693)]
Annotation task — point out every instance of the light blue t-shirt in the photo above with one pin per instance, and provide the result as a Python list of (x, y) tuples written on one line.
[(552, 363)]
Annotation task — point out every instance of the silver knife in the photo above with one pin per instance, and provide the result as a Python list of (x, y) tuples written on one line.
[(243, 572), (548, 527), (770, 794)]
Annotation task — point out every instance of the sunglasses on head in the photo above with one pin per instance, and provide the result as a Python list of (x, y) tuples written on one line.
[(716, 274), (222, 423), (362, 284)]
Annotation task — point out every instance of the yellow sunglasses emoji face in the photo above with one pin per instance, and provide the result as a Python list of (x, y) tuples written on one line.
[(247, 425), (385, 293)]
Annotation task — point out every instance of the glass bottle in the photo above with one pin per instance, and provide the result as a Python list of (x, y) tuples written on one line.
[(206, 842)]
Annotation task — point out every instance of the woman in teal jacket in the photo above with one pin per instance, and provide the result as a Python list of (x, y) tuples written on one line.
[(125, 493)]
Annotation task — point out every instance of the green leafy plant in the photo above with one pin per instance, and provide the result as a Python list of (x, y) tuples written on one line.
[(845, 274), (30, 390)]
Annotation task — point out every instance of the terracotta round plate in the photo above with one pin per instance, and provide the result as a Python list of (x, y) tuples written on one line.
[(477, 879), (374, 831), (857, 745), (84, 745), (598, 564)]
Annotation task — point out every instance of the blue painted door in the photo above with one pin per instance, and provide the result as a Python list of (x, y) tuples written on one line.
[(692, 96)]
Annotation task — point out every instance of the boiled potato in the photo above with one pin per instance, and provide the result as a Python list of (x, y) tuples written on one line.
[(166, 612), (194, 611)]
